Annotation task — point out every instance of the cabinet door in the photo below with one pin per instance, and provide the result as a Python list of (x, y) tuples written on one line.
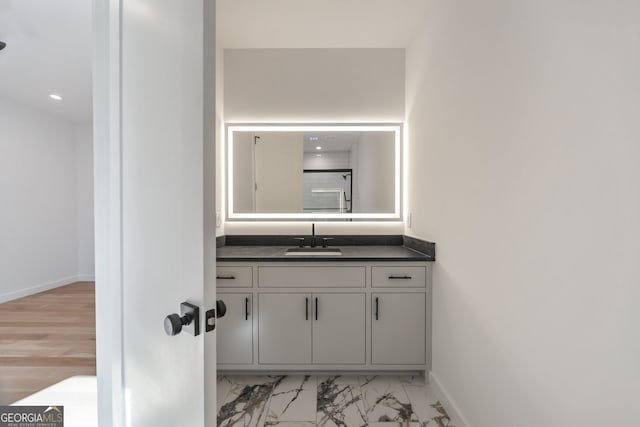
[(398, 328), (235, 330), (339, 328), (284, 325)]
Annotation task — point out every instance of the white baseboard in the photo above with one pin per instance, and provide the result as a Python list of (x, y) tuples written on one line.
[(457, 419), (85, 278), (43, 287)]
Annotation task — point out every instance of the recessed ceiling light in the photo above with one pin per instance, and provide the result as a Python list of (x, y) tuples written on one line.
[(318, 148), (55, 96)]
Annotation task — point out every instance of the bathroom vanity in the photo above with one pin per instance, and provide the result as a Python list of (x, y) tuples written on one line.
[(354, 307)]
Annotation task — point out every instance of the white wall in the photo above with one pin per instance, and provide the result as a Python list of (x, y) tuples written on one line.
[(327, 160), (376, 173), (38, 235), (278, 160), (524, 169), (46, 194), (84, 200), (314, 85), (243, 173)]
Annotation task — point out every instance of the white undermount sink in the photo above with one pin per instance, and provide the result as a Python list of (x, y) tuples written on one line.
[(313, 251)]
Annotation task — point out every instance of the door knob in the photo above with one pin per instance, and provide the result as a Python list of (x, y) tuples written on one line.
[(188, 320), (221, 308)]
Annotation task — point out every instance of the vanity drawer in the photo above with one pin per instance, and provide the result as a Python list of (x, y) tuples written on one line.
[(234, 277), (312, 277), (398, 276)]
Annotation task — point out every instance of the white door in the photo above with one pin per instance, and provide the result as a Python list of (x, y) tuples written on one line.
[(155, 223)]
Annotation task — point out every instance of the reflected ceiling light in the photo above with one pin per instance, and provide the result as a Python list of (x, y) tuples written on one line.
[(318, 148), (55, 96), (313, 138)]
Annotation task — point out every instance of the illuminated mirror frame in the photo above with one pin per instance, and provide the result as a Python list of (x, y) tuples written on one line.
[(395, 128)]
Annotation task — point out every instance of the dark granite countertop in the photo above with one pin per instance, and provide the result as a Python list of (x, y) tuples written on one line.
[(350, 252)]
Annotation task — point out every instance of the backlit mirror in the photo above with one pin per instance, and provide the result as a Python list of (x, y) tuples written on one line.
[(332, 172)]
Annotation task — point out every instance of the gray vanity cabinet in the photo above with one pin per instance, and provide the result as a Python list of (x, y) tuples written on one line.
[(398, 332), (318, 328), (339, 329), (284, 328), (325, 316), (235, 329)]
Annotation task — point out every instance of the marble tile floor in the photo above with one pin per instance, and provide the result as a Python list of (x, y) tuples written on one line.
[(328, 401)]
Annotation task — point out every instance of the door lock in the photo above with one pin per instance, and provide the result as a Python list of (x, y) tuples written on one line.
[(188, 320), (211, 315)]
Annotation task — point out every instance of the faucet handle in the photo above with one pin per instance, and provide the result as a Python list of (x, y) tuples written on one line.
[(325, 240), (300, 241)]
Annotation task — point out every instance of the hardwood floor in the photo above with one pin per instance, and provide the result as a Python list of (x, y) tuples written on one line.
[(45, 338)]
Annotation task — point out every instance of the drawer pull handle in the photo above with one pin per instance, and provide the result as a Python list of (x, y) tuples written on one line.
[(306, 308), (246, 309), (399, 277), (377, 308), (226, 277), (316, 308)]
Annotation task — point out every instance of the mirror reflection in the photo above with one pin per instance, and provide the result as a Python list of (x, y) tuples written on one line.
[(313, 171)]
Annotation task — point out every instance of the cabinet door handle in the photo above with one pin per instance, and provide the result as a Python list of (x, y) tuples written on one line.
[(306, 308), (246, 309), (226, 277), (316, 308), (377, 308), (399, 277)]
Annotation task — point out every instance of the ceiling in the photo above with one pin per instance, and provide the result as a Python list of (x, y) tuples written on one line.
[(49, 41), (48, 51)]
